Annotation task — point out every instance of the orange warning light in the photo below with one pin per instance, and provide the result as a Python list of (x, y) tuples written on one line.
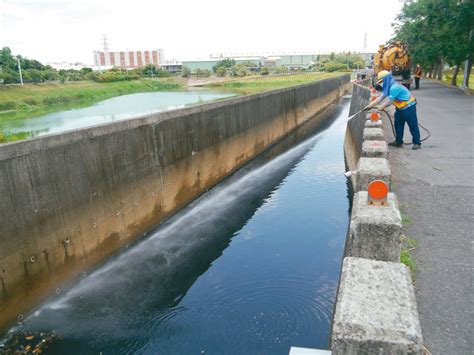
[(378, 191), (373, 98), (374, 116), (373, 91)]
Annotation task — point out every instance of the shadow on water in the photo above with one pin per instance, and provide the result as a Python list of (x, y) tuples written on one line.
[(118, 307)]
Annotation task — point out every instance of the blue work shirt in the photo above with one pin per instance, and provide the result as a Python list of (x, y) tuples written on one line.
[(400, 96), (399, 92)]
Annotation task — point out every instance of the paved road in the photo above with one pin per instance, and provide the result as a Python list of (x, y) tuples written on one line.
[(435, 189)]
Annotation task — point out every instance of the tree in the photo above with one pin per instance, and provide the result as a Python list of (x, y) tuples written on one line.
[(202, 72), (264, 71), (333, 66), (34, 75), (91, 76), (437, 32), (221, 71), (149, 70), (281, 69), (6, 59), (239, 70), (353, 61), (185, 72), (85, 71), (50, 75), (224, 63), (9, 76)]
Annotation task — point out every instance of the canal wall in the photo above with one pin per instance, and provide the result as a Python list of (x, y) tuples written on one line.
[(70, 200), (375, 310), (354, 133)]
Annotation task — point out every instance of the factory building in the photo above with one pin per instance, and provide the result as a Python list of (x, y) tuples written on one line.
[(208, 64), (128, 59), (289, 61)]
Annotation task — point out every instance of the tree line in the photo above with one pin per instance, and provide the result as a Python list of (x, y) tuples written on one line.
[(34, 72), (229, 67), (438, 33)]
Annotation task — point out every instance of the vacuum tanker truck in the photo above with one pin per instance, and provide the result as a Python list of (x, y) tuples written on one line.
[(394, 57)]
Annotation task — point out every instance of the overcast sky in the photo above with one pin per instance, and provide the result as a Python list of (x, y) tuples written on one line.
[(59, 30)]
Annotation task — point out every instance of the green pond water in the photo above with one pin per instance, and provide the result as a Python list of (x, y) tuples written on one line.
[(111, 110)]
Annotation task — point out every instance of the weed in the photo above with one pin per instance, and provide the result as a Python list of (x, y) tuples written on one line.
[(405, 220), (408, 246), (254, 85), (12, 137)]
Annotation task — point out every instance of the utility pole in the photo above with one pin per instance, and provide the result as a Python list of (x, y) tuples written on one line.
[(105, 43), (19, 69)]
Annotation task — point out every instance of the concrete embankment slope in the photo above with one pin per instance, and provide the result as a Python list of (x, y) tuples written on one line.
[(69, 200), (436, 191)]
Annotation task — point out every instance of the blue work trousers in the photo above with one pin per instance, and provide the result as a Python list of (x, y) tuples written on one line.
[(407, 115)]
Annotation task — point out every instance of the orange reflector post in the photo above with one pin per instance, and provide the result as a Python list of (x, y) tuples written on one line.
[(373, 91), (374, 116), (378, 192), (373, 98)]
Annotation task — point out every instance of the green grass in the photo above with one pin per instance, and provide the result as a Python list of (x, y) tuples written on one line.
[(17, 102), (12, 137), (406, 257), (252, 85), (405, 220), (448, 76)]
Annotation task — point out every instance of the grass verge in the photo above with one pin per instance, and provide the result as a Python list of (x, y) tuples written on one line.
[(409, 245), (17, 102), (246, 86), (448, 76)]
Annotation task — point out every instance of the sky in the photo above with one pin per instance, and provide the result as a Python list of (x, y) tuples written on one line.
[(59, 30)]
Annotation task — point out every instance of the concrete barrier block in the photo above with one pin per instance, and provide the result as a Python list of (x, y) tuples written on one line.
[(369, 112), (374, 231), (374, 149), (373, 124), (376, 310), (370, 169), (373, 134)]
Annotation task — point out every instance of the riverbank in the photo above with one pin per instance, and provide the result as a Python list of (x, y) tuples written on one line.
[(257, 84), (106, 111), (17, 102)]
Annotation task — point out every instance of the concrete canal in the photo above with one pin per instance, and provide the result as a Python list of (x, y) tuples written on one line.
[(250, 267)]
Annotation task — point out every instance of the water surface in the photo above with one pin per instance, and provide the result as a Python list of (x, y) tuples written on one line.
[(251, 267), (111, 110)]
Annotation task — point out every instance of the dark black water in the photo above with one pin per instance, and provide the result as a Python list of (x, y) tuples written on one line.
[(250, 268)]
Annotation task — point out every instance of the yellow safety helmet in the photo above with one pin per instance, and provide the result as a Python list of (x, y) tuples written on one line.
[(382, 74)]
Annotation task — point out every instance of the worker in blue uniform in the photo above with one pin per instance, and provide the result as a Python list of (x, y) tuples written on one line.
[(405, 108)]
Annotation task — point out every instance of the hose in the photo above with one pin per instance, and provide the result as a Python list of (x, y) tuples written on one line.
[(419, 124)]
